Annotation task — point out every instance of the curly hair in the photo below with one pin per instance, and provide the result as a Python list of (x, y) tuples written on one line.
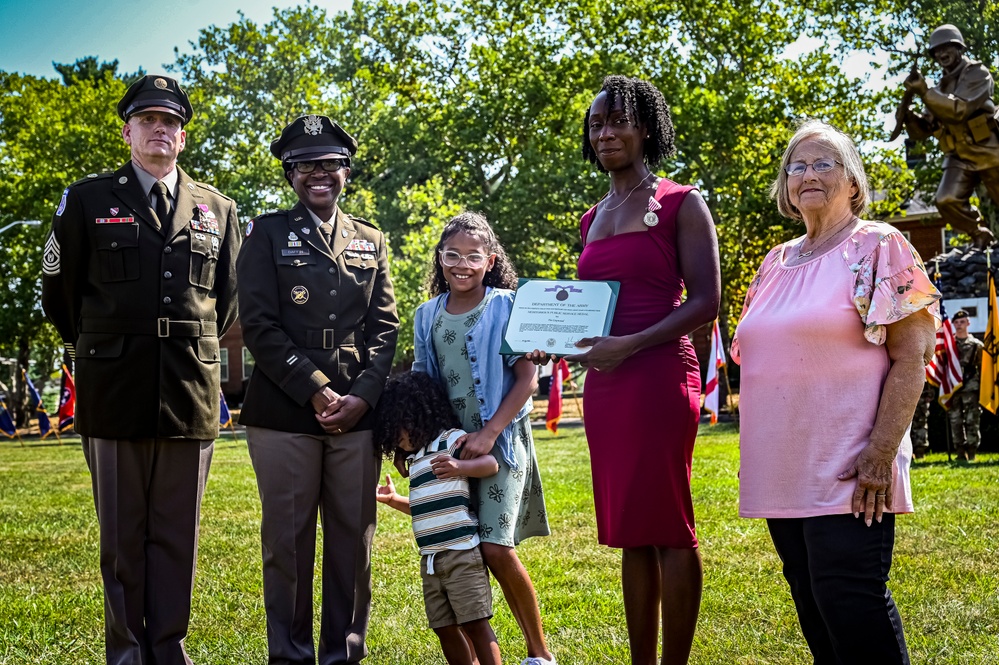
[(643, 102), (414, 403), (502, 275)]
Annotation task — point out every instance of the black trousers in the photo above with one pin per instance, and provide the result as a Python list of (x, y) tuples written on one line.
[(837, 568)]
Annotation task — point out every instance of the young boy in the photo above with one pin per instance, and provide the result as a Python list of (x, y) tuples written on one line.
[(415, 416)]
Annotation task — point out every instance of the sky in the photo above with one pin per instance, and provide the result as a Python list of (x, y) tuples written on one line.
[(36, 33)]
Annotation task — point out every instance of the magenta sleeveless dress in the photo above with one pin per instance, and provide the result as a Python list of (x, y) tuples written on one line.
[(641, 418)]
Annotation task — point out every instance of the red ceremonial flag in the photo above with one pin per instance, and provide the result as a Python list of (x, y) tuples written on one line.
[(67, 401), (944, 369), (715, 364), (560, 373)]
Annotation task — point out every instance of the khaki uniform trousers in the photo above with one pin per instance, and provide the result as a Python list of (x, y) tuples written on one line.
[(300, 476)]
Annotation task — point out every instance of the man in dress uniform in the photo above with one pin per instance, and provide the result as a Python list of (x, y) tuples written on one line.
[(963, 117), (139, 278), (318, 315), (964, 413)]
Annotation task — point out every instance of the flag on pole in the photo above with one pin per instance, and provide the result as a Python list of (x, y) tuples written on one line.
[(35, 402), (560, 373), (6, 422), (715, 364), (225, 418), (944, 369), (988, 395), (67, 401)]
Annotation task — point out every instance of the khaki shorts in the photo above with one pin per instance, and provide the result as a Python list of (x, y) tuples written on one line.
[(458, 591)]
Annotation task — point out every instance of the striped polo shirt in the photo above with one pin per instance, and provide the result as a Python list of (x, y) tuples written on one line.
[(442, 519)]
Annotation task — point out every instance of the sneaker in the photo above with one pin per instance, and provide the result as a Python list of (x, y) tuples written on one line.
[(534, 660)]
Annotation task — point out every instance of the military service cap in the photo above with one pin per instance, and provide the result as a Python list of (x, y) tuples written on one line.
[(960, 314), (156, 91), (311, 138)]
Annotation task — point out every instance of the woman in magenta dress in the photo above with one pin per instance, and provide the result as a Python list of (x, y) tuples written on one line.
[(642, 396)]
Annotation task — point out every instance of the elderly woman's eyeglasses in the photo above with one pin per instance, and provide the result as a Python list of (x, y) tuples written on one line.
[(819, 166), (328, 165), (451, 259)]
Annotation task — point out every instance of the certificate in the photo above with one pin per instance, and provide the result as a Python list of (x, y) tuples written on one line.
[(552, 315)]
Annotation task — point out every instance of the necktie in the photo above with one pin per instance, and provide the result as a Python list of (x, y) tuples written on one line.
[(327, 230), (163, 209)]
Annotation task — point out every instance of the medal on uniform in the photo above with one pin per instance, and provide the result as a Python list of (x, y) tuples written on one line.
[(651, 218)]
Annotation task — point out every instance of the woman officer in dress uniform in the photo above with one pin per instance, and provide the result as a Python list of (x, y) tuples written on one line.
[(319, 317)]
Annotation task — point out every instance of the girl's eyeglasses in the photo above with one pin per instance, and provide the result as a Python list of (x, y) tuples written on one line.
[(451, 259)]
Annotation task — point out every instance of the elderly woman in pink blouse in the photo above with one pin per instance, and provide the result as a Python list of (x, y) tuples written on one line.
[(836, 330)]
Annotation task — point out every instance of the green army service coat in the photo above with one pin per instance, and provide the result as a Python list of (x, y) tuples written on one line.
[(143, 308), (313, 315)]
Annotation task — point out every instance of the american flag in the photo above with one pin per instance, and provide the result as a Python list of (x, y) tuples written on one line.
[(944, 369)]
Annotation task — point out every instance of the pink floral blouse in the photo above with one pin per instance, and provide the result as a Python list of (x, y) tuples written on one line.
[(811, 347)]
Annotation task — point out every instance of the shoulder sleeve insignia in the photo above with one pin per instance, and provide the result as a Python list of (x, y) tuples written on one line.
[(62, 203)]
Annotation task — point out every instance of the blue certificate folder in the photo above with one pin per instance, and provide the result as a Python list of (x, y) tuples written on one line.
[(553, 314)]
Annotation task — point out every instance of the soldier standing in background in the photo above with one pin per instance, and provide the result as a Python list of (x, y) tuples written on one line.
[(962, 115), (139, 279), (964, 413)]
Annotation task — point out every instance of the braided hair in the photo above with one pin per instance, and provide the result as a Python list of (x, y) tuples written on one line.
[(414, 403), (502, 275), (643, 102)]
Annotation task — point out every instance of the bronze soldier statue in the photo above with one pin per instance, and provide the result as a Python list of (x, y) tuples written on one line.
[(962, 115)]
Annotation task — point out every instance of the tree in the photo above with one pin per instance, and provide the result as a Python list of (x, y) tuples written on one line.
[(89, 69), (50, 135), (490, 97), (247, 82), (474, 104)]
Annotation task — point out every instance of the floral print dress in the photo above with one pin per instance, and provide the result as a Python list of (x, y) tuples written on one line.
[(511, 503)]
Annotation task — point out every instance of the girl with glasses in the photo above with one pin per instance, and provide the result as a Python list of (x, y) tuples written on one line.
[(458, 336)]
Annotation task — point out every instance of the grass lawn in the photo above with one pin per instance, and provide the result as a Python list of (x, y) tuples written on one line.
[(945, 576)]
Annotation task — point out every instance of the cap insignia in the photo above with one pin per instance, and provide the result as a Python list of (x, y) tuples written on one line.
[(313, 124), (160, 83)]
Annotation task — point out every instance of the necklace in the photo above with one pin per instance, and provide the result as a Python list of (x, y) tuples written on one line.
[(640, 182), (802, 255)]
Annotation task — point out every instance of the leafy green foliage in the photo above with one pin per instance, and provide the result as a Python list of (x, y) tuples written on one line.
[(476, 104), (50, 135)]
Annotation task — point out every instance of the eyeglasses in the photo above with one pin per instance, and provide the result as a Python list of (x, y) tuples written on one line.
[(328, 165), (819, 166), (451, 259)]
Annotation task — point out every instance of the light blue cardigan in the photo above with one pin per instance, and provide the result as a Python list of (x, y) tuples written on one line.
[(483, 341)]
